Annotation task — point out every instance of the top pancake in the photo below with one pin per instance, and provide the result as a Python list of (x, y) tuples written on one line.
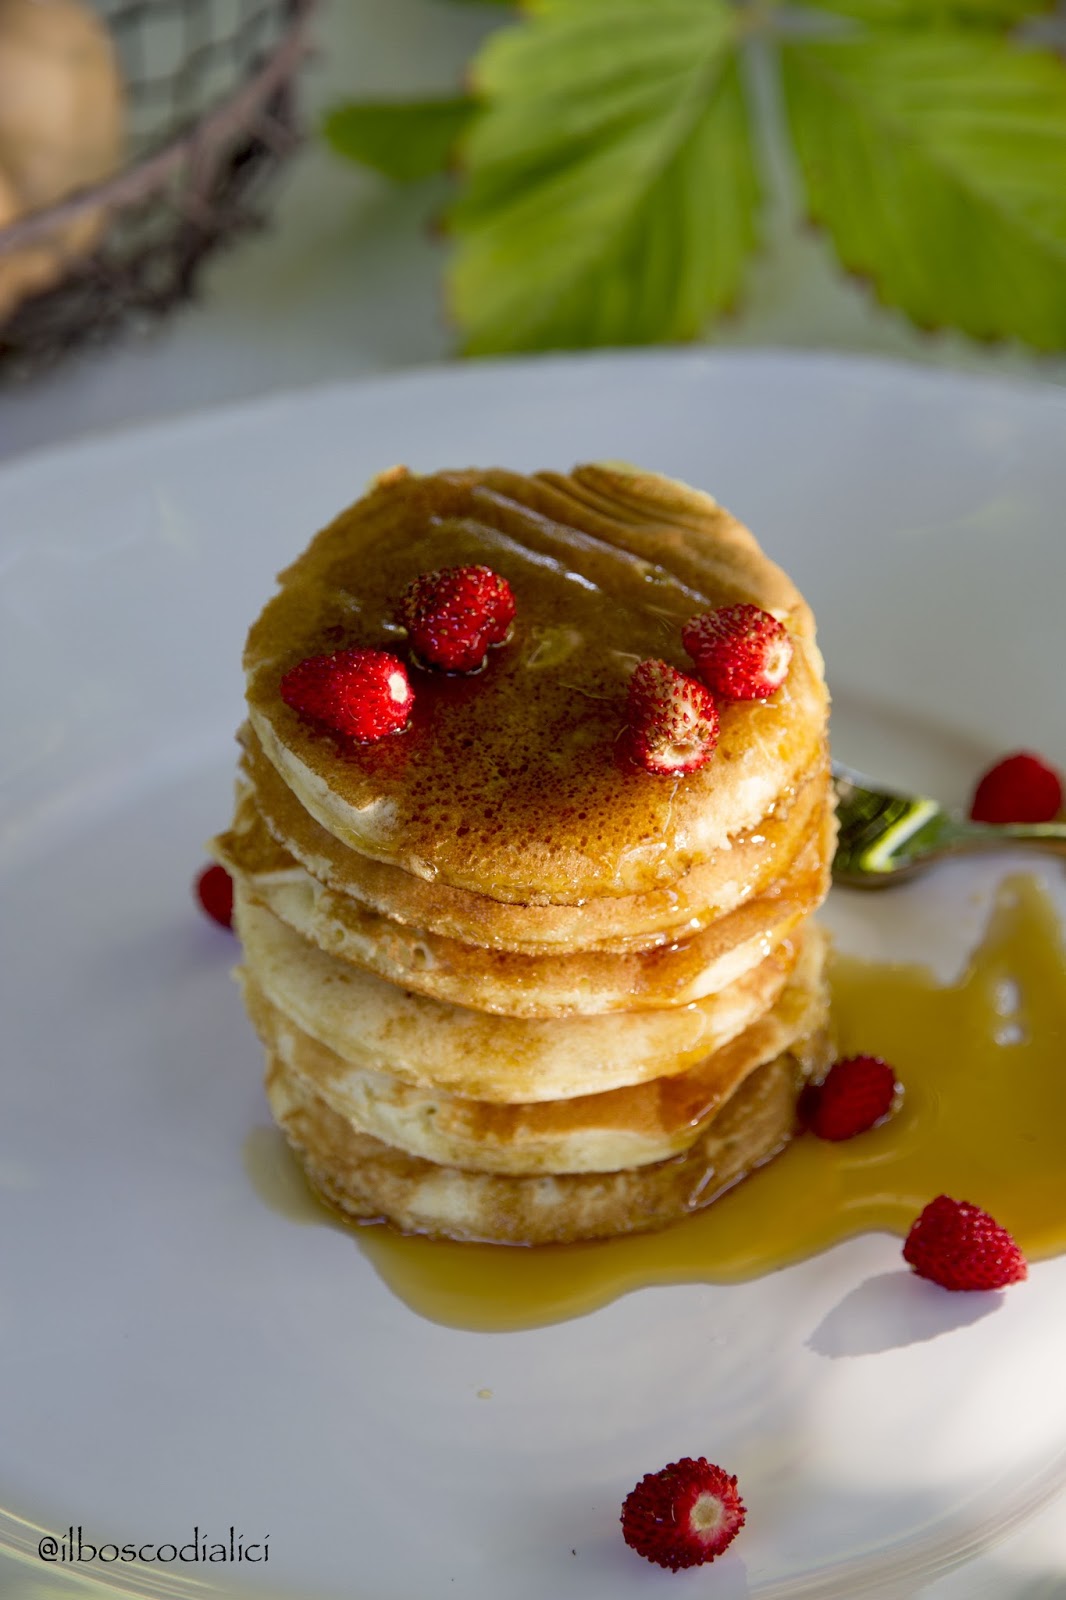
[(754, 859), (513, 782)]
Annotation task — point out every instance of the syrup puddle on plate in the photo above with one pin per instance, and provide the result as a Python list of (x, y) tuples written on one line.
[(983, 1062)]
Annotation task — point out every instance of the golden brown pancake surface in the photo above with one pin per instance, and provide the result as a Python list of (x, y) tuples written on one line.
[(514, 781), (513, 984), (368, 1180), (753, 860), (605, 1132), (376, 1024)]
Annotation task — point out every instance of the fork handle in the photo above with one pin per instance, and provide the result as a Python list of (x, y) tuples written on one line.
[(1047, 836)]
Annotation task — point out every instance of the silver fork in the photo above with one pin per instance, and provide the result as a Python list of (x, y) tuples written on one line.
[(886, 837)]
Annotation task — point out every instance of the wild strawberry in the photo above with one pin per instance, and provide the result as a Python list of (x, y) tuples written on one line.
[(961, 1247), (673, 721), (740, 652), (362, 694), (214, 890), (1020, 788), (856, 1093), (453, 616), (684, 1515)]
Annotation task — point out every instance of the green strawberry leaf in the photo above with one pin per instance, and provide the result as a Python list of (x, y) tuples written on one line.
[(612, 189), (935, 13), (403, 139), (938, 164)]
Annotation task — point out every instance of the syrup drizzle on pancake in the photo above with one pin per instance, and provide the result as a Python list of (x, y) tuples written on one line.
[(513, 781)]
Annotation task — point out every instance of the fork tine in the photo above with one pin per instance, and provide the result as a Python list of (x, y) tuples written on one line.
[(876, 828), (865, 812)]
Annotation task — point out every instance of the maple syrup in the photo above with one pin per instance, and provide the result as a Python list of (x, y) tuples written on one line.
[(513, 781), (983, 1061)]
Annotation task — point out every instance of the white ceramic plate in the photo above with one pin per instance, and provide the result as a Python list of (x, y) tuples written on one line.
[(178, 1354)]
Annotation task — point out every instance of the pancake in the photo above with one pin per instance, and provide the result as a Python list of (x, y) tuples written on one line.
[(365, 1179), (592, 1133), (512, 783), (521, 985), (375, 1024), (754, 858), (512, 986)]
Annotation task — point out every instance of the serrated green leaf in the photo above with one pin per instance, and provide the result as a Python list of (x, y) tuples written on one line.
[(612, 188), (935, 13), (404, 140), (938, 164)]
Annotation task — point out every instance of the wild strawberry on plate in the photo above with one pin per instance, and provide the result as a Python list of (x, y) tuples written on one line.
[(684, 1515), (856, 1094), (1020, 788), (214, 891), (959, 1246)]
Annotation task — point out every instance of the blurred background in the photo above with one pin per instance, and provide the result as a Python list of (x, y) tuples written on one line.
[(305, 267)]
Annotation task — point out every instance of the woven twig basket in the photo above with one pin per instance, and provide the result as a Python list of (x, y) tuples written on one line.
[(210, 111)]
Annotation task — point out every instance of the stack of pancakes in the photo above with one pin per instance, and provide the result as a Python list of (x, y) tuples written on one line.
[(512, 986)]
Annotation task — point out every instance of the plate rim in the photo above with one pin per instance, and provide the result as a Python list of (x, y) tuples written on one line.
[(19, 473), (887, 368)]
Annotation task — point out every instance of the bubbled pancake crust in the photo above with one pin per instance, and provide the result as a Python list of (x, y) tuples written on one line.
[(513, 782), (753, 859)]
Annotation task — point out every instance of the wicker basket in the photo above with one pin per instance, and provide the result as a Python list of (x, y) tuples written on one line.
[(210, 110)]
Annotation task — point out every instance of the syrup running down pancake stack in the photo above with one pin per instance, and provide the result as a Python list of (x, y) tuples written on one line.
[(512, 985)]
